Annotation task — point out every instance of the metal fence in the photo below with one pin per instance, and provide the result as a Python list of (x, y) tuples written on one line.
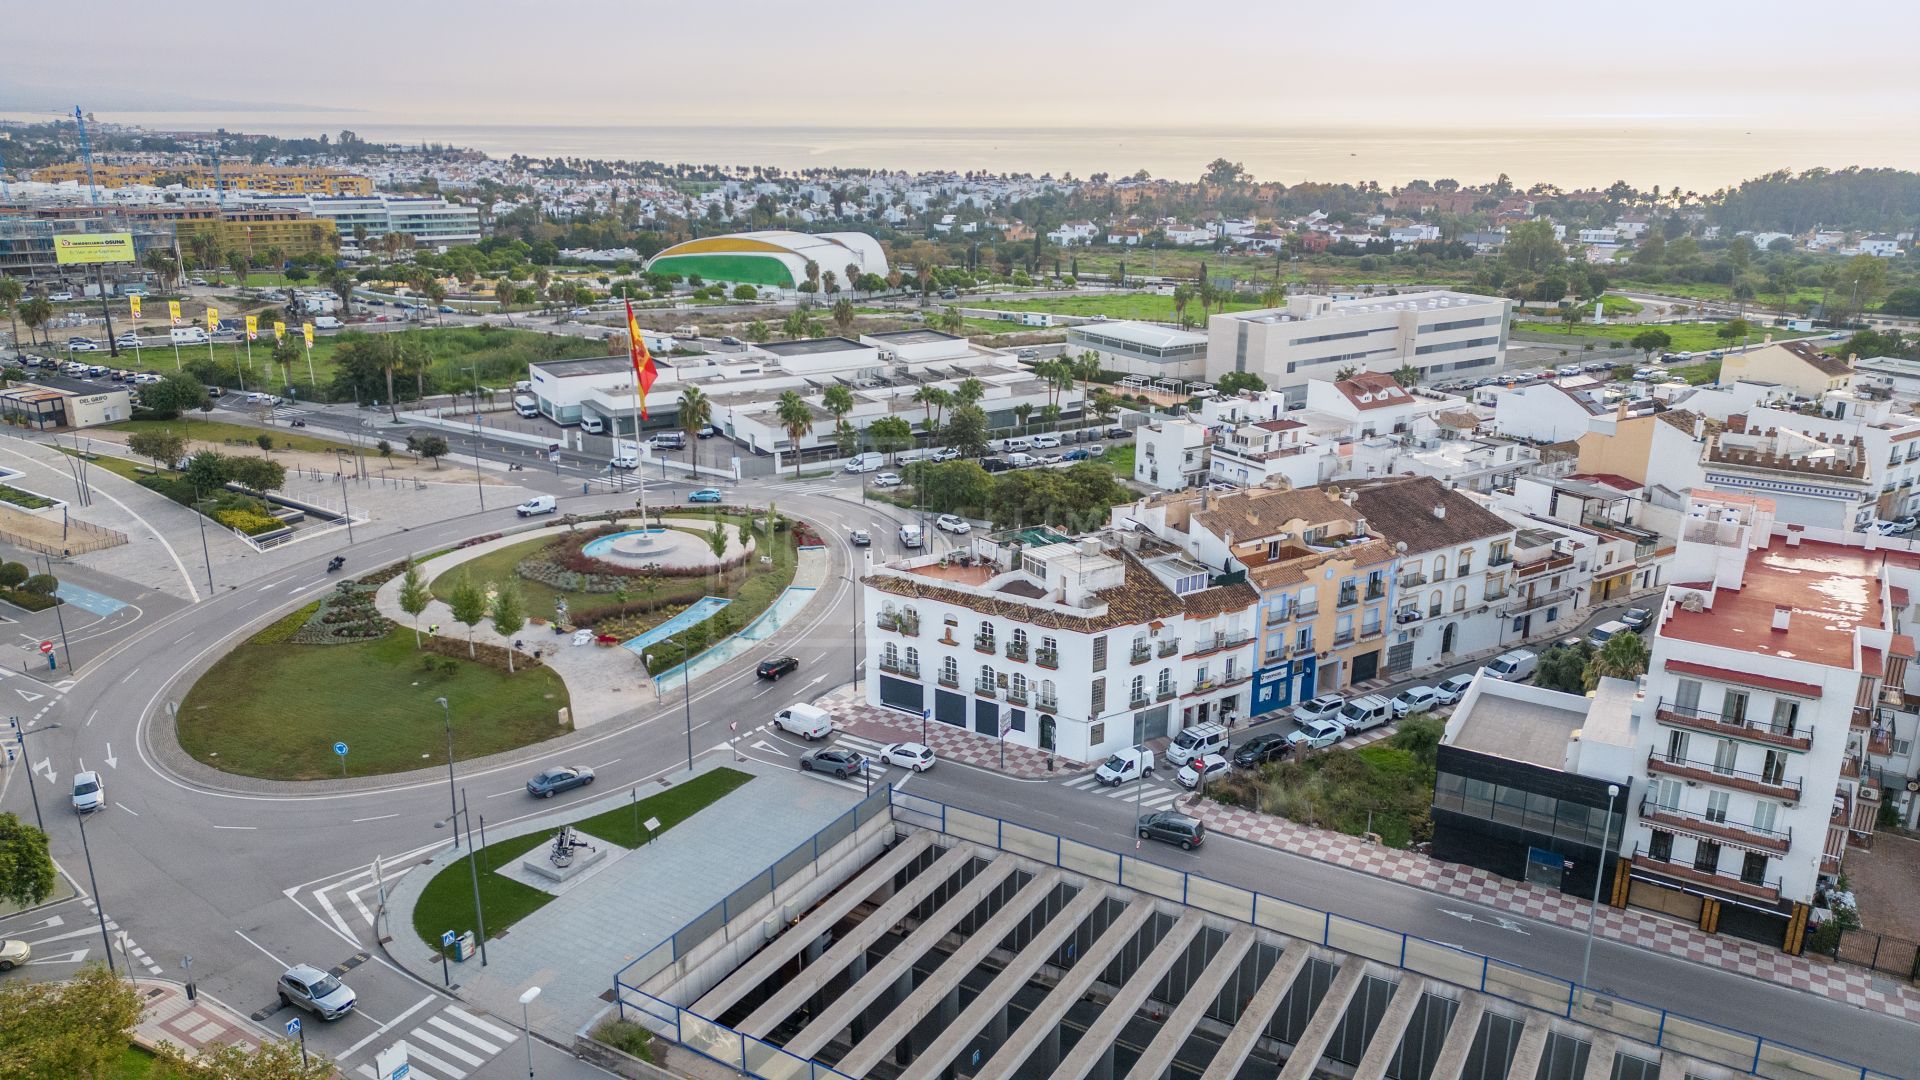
[(1892, 955)]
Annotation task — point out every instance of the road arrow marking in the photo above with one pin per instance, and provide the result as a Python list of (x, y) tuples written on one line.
[(73, 957), (765, 745), (1499, 921), (112, 762), (45, 767), (47, 923)]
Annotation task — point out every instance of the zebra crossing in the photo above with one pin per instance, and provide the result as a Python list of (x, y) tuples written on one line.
[(449, 1045), (1155, 795), (877, 769)]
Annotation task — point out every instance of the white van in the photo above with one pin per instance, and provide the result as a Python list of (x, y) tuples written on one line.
[(865, 463), (189, 335), (806, 721), (1046, 442), (910, 536), (1127, 763), (1516, 666), (1606, 632), (591, 424), (539, 504), (1022, 461), (326, 322), (1195, 742), (1018, 443), (1364, 712), (526, 406)]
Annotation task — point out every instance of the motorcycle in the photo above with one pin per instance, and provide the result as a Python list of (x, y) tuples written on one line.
[(336, 563)]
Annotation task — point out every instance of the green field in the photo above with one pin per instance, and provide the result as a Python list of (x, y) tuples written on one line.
[(1708, 290), (134, 1064), (1687, 337), (447, 901), (216, 431), (274, 709)]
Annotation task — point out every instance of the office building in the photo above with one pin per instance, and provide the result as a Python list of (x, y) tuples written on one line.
[(1441, 334)]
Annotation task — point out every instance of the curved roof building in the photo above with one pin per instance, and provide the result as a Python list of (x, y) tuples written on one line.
[(773, 257)]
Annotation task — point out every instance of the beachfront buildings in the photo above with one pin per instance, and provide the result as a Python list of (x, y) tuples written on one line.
[(1440, 334)]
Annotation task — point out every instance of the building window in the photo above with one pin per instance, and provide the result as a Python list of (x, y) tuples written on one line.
[(1434, 603), (1466, 562), (1439, 567), (1733, 707), (1764, 815), (1165, 685), (1686, 695), (1717, 807), (1097, 697), (1047, 695), (1019, 641), (1666, 793), (913, 661), (1786, 716), (1096, 733), (1660, 845), (1725, 753), (1100, 653), (1303, 639), (1677, 747), (950, 671), (1460, 598), (890, 656), (984, 639), (1706, 857), (1019, 685), (987, 681), (1137, 690), (1753, 868)]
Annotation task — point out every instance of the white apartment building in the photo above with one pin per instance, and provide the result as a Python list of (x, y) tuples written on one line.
[(430, 220), (1455, 570), (1077, 647), (1770, 651), (1856, 459), (1171, 452), (1371, 403), (1439, 333)]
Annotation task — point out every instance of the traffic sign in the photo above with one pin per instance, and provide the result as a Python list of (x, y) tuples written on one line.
[(446, 939), (340, 748), (46, 646), (293, 1027)]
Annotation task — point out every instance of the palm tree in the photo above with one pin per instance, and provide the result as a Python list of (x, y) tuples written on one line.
[(838, 400), (969, 391), (830, 282), (923, 397), (340, 280), (163, 266), (757, 331), (941, 397), (437, 293), (36, 312), (10, 293), (843, 315), (1182, 296), (1022, 412), (853, 276), (1051, 416), (503, 293), (1624, 656), (797, 419), (813, 279), (696, 412), (238, 262)]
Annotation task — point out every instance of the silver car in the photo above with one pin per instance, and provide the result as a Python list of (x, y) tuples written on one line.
[(88, 794), (316, 991)]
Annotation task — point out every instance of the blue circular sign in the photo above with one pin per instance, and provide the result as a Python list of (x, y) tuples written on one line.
[(340, 748)]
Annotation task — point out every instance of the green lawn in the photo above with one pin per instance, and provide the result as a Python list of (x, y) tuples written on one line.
[(216, 431), (447, 901), (1687, 337), (1120, 458), (272, 709), (134, 1064)]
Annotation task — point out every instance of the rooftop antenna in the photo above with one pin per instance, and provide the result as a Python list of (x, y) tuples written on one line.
[(86, 154)]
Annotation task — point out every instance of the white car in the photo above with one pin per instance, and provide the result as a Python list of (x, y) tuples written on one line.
[(1452, 688), (624, 461), (1316, 735), (1415, 699), (952, 523), (1324, 707), (887, 480), (1211, 767), (909, 755), (1044, 442), (88, 793), (945, 453)]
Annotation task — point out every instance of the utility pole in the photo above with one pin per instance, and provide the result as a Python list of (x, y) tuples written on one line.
[(453, 804)]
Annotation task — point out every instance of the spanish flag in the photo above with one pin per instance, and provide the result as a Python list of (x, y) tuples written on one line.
[(643, 370)]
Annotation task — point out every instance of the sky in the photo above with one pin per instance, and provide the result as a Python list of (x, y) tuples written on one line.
[(1467, 65)]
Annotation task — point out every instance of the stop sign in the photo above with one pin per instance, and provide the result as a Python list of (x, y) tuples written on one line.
[(46, 646)]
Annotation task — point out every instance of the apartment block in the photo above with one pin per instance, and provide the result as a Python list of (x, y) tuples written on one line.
[(1455, 572), (1441, 333), (265, 179)]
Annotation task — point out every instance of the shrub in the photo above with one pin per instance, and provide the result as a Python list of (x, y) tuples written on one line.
[(12, 574), (627, 1037), (247, 521), (24, 498), (41, 585), (21, 598)]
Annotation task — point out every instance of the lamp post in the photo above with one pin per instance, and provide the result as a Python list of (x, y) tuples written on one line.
[(99, 902), (686, 695), (859, 628), (477, 487), (453, 806), (526, 1024), (473, 867), (1606, 833), (20, 738)]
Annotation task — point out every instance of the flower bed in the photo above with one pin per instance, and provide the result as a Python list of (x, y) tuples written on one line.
[(29, 601), (346, 614), (248, 522), (25, 499), (564, 565)]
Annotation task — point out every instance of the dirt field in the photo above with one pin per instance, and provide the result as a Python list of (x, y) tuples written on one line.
[(1883, 881)]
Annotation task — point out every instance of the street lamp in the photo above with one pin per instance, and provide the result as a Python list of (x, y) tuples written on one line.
[(473, 866), (453, 805), (686, 694), (1606, 833), (859, 628), (526, 1025), (99, 902), (20, 738)]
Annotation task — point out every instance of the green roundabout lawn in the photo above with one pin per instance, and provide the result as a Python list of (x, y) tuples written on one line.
[(273, 709), (447, 901)]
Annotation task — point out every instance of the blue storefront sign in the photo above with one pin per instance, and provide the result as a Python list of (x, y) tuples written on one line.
[(1280, 686)]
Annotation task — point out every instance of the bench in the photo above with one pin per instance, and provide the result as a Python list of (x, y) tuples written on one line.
[(146, 470)]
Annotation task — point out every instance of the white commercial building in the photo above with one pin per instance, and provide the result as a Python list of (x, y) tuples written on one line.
[(430, 220), (1142, 348), (1440, 334)]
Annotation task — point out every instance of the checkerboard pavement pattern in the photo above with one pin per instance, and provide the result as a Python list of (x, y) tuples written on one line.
[(167, 1016), (882, 725), (1839, 982)]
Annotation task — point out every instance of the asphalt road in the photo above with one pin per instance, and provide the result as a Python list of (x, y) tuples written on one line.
[(247, 881)]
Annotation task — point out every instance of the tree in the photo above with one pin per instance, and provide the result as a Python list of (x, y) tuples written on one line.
[(27, 876), (286, 353), (207, 470), (275, 1059), (12, 574), (414, 597), (1732, 328), (264, 441), (1407, 375), (796, 418), (969, 391), (1624, 656), (41, 585), (508, 614), (1347, 371), (1531, 247), (10, 293), (1235, 381), (1224, 173), (241, 264), (341, 281), (36, 312), (1564, 669), (160, 446), (431, 447), (757, 331), (1023, 412), (890, 435), (838, 400), (468, 605), (257, 474), (1104, 404), (1182, 296), (717, 540), (947, 486), (173, 395), (696, 412), (1651, 341), (967, 430), (843, 315), (76, 1028)]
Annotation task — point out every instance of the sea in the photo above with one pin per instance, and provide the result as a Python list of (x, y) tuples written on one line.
[(1691, 154)]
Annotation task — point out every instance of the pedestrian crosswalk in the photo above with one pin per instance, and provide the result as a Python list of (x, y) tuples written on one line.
[(1149, 794), (448, 1045)]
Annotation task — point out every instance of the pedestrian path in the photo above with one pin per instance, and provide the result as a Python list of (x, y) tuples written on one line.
[(856, 717), (1148, 794), (167, 1016), (449, 1045)]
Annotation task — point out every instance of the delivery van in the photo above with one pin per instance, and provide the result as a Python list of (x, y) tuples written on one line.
[(525, 405), (327, 322), (806, 721), (539, 504)]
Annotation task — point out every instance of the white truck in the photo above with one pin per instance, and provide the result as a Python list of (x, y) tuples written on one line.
[(526, 405), (807, 721)]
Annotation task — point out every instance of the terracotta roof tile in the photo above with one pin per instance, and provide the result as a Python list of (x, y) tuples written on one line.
[(1207, 603), (1140, 599), (1258, 512), (1830, 366), (1372, 390), (1402, 510)]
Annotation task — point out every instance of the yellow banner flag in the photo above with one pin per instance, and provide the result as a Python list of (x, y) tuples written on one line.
[(133, 305), (306, 331), (279, 331), (173, 311), (213, 318), (253, 327)]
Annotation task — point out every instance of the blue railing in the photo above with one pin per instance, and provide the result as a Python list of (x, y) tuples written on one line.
[(1652, 1025)]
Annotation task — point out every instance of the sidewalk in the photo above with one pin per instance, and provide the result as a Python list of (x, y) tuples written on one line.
[(849, 707), (190, 1025), (1854, 986)]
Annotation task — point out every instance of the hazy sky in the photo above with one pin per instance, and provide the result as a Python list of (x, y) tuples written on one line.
[(1465, 64)]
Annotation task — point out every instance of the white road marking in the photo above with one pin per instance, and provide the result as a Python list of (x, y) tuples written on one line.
[(261, 947), (465, 1036), (90, 717), (239, 828), (382, 817), (123, 806), (73, 957), (416, 1007), (495, 1030)]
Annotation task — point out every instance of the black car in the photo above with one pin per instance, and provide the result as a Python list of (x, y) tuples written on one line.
[(832, 759), (1636, 618), (994, 464), (1262, 749), (1173, 828), (776, 667), (553, 781)]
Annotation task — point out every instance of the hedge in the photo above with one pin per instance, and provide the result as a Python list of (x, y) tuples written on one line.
[(24, 498), (21, 598)]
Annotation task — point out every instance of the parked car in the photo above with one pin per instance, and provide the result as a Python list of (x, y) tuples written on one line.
[(1046, 442), (316, 991), (995, 465), (1324, 707), (705, 495), (706, 431), (1364, 712), (13, 953), (82, 345), (1516, 666), (1452, 688), (1126, 763), (776, 667), (952, 523), (1170, 827), (551, 782), (539, 504), (1210, 767), (1606, 632), (945, 453), (88, 794), (887, 480), (1196, 741), (1415, 699), (909, 755), (1262, 750), (832, 759), (1316, 735), (1077, 455), (860, 538)]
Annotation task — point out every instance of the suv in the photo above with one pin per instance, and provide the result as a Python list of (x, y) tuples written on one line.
[(1196, 741), (1261, 750), (1173, 828), (776, 667), (1415, 699), (1324, 707), (316, 991), (952, 523), (833, 759)]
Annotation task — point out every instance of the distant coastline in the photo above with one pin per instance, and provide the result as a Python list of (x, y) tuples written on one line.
[(1588, 153)]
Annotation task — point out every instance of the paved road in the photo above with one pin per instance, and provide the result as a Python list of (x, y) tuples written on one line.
[(247, 879)]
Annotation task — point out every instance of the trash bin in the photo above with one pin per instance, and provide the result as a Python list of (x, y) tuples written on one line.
[(463, 946)]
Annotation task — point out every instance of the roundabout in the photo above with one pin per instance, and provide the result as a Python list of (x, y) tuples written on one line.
[(667, 549)]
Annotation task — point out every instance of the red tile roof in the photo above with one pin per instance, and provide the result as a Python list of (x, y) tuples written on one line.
[(1377, 390)]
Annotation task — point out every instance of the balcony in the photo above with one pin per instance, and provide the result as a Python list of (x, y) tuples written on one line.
[(1016, 697), (985, 689), (983, 643), (1371, 630), (1699, 825), (1524, 603), (1306, 611), (1768, 891), (948, 682), (1407, 615), (1376, 590), (899, 624), (1343, 637), (1348, 598), (1218, 642), (1141, 653), (1164, 693), (1201, 686), (1500, 558), (900, 667), (1408, 581), (1047, 658), (1778, 787), (1464, 570), (1787, 737), (1170, 647), (1047, 704), (1493, 594), (1017, 650), (1140, 702)]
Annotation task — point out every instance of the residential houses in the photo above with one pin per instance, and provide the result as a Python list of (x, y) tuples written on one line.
[(1454, 567), (1798, 366)]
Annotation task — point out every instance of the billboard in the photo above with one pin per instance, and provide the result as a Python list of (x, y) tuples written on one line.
[(111, 247)]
